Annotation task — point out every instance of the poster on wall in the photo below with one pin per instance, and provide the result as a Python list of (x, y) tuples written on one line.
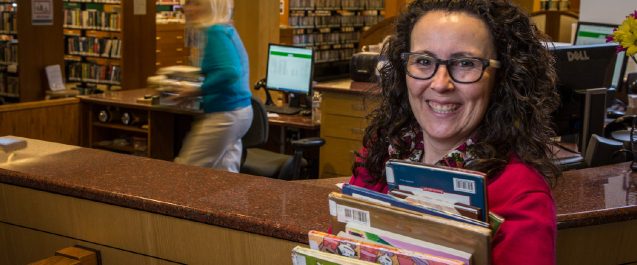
[(42, 12)]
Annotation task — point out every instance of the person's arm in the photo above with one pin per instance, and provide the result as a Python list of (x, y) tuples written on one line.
[(528, 233), (221, 63)]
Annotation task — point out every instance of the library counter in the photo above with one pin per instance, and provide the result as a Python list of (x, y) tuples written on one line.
[(168, 212)]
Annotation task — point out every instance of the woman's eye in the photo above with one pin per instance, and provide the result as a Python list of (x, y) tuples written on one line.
[(423, 61), (465, 63)]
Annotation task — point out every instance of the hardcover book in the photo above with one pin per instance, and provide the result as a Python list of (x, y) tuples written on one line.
[(444, 183), (306, 256)]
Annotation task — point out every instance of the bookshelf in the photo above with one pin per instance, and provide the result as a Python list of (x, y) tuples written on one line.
[(332, 28), (170, 11), (97, 54), (26, 48)]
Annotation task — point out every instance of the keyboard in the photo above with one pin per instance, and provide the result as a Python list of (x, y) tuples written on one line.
[(282, 110)]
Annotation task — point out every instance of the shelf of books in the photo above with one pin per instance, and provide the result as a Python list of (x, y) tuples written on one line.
[(442, 218), (332, 28), (95, 43), (170, 11), (9, 81)]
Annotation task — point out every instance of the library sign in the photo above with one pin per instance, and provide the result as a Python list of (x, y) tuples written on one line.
[(42, 12)]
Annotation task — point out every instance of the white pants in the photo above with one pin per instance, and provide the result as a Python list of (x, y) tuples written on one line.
[(215, 140)]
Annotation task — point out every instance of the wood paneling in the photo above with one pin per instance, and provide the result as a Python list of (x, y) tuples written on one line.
[(50, 120), (138, 50), (106, 227), (257, 22), (38, 47)]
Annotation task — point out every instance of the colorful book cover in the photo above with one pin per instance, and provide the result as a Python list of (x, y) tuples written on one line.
[(445, 183), (407, 243), (377, 197), (306, 256), (371, 252)]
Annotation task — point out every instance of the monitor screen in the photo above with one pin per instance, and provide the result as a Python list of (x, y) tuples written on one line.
[(289, 69), (595, 33), (580, 67)]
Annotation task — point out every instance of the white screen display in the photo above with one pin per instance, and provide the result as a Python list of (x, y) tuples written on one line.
[(289, 69), (596, 34)]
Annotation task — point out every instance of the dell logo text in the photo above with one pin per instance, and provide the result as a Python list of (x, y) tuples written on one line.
[(577, 56)]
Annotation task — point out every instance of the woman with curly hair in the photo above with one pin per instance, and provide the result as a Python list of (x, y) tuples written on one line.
[(469, 84)]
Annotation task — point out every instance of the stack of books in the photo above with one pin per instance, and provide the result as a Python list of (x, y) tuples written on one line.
[(432, 215)]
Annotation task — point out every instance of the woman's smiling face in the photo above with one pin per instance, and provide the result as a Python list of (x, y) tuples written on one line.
[(449, 112)]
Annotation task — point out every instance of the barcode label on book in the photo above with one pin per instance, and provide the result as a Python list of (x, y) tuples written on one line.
[(347, 214), (464, 185)]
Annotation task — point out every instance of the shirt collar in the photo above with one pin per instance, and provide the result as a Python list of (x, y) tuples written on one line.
[(414, 139)]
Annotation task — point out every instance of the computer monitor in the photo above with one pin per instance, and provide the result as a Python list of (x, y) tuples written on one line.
[(596, 33), (584, 73), (289, 70)]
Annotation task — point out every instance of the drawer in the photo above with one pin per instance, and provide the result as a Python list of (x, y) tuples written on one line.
[(337, 156), (343, 126), (170, 37), (346, 104), (168, 61), (171, 50)]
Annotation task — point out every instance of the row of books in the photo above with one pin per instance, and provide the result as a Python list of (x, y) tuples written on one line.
[(432, 215), (8, 22), (92, 19), (93, 46), (310, 21), (8, 52), (93, 73), (326, 38), (336, 4), (345, 53), (9, 85), (94, 1)]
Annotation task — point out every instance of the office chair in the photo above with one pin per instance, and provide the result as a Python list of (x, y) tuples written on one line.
[(603, 151), (261, 162)]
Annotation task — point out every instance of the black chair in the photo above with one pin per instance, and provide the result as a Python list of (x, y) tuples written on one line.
[(261, 162)]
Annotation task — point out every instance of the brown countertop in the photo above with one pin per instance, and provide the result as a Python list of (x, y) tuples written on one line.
[(275, 208), (128, 98)]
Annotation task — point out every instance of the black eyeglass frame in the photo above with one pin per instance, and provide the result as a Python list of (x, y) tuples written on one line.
[(485, 63)]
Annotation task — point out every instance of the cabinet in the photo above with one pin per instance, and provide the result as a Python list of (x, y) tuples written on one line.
[(332, 28), (115, 122), (109, 44), (343, 123), (171, 48)]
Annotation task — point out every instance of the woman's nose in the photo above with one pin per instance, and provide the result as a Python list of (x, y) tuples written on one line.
[(441, 81)]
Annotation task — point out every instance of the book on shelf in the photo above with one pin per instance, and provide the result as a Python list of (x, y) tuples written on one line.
[(441, 183), (346, 211), (360, 248)]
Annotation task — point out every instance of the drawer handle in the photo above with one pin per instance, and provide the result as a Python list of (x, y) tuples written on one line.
[(357, 130), (158, 51), (180, 49), (157, 63), (179, 61), (358, 107), (158, 38), (179, 37)]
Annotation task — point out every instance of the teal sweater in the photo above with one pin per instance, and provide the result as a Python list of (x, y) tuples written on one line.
[(226, 71)]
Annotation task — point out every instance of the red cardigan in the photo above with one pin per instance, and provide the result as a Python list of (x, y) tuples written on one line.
[(520, 195)]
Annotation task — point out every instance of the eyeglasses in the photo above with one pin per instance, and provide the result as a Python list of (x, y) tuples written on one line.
[(461, 70)]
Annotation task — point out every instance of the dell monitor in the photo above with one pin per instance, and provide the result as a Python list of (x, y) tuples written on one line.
[(289, 69), (584, 73), (596, 33)]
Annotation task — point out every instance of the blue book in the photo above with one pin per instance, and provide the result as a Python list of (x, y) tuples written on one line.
[(442, 183), (385, 199)]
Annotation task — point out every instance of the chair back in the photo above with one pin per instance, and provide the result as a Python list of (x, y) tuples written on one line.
[(258, 132)]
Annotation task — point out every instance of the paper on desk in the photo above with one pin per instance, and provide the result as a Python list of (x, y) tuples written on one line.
[(273, 115)]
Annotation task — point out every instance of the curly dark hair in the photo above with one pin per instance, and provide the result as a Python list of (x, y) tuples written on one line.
[(518, 118)]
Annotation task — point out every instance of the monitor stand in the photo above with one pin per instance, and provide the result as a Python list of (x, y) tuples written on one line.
[(289, 109)]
